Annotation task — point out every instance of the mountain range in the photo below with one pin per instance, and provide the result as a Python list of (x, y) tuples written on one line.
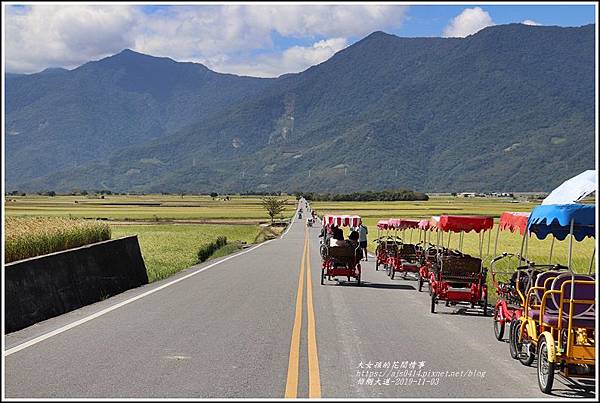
[(510, 108)]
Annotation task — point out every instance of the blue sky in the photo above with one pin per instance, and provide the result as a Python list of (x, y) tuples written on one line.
[(431, 20), (251, 39)]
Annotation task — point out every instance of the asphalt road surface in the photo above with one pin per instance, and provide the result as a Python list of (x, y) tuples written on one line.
[(251, 326)]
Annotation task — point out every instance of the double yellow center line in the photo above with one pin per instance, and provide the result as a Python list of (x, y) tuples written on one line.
[(314, 380)]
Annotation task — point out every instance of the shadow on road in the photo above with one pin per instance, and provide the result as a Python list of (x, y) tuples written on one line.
[(570, 388), (388, 286), (364, 284), (477, 313)]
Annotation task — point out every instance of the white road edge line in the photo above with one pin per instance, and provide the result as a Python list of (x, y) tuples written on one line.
[(120, 304), (289, 226)]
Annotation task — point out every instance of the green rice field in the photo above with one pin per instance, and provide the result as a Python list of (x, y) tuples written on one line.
[(170, 228), (144, 208), (169, 248)]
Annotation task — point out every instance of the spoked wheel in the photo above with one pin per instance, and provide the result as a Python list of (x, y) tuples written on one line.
[(420, 283), (485, 305), (545, 368), (526, 356), (323, 251), (432, 303), (513, 338), (498, 325)]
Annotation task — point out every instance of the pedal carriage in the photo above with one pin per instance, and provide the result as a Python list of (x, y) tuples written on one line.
[(405, 257), (385, 244), (341, 261), (559, 315), (401, 256), (457, 277), (515, 279), (427, 254), (510, 284)]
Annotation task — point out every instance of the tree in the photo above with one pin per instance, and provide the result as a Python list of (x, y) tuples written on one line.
[(273, 205)]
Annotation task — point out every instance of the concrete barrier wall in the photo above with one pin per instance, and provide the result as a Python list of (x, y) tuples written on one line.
[(46, 286)]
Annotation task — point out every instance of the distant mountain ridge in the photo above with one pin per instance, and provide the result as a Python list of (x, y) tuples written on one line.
[(510, 108)]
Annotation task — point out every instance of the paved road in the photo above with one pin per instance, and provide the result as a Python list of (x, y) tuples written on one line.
[(252, 326)]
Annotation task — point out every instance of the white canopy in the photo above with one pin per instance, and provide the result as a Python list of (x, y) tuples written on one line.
[(574, 189)]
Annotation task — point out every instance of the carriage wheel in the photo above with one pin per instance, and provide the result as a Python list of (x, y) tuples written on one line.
[(545, 369), (485, 305), (323, 251), (526, 356), (432, 303), (420, 283), (513, 338), (498, 325)]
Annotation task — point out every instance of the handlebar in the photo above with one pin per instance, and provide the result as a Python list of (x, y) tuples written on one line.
[(505, 254)]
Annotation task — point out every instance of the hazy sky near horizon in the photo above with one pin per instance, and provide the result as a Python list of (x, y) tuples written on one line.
[(263, 39)]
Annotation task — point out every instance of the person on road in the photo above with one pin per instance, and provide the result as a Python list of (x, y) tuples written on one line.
[(362, 238)]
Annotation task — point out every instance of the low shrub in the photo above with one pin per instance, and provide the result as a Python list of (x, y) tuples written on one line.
[(208, 249)]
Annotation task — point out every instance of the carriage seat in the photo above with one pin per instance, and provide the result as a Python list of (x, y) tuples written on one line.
[(460, 267), (587, 321), (583, 313), (344, 255)]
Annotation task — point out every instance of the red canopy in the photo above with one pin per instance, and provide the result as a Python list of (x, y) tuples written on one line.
[(342, 220), (383, 224), (458, 223), (512, 221), (402, 223)]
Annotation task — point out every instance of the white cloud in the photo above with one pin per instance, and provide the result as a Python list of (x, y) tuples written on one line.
[(530, 22), (41, 36), (470, 21), (293, 60)]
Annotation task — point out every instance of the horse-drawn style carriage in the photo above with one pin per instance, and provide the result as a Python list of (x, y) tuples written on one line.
[(559, 315), (342, 260), (457, 277)]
